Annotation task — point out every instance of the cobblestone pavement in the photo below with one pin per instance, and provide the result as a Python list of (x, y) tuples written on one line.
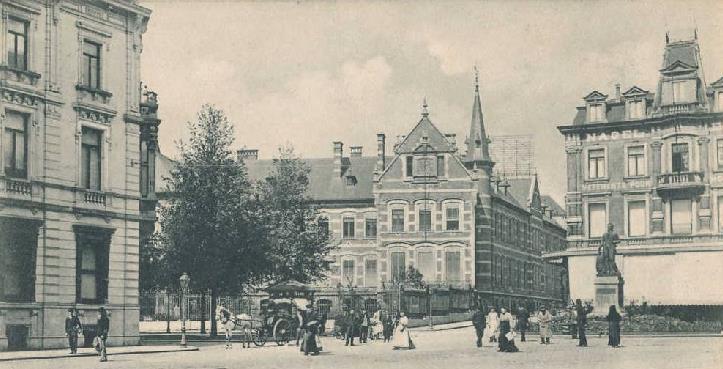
[(451, 349)]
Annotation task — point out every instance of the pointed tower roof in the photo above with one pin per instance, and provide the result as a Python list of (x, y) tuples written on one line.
[(477, 142)]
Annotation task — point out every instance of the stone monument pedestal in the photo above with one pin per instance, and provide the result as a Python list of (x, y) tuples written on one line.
[(608, 291)]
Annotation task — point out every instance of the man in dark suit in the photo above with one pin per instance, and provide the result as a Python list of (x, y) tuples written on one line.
[(352, 322), (478, 321), (72, 328)]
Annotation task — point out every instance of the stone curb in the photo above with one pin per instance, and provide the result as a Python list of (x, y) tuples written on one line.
[(40, 355)]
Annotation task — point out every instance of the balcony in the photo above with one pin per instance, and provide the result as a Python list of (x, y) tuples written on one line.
[(16, 188), (679, 108), (680, 183), (90, 199)]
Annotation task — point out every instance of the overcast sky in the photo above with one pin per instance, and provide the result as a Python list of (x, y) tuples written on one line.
[(310, 73)]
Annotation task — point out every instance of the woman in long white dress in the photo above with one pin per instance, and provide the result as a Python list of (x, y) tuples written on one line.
[(492, 328), (402, 339)]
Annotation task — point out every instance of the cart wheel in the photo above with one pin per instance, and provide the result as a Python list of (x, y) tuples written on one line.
[(260, 337), (282, 330)]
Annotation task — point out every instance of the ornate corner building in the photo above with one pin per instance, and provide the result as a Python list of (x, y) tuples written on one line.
[(650, 163), (444, 212), (71, 171)]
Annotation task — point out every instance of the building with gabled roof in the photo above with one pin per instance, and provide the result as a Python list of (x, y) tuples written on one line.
[(442, 211)]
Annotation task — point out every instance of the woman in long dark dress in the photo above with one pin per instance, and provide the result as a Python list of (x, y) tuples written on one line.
[(505, 343), (613, 319)]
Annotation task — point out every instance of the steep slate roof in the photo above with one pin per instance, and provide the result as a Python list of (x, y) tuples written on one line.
[(683, 51), (553, 205), (424, 127), (520, 189), (324, 184)]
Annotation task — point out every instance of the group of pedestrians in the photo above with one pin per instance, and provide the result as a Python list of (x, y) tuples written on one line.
[(380, 325), (501, 328), (73, 327)]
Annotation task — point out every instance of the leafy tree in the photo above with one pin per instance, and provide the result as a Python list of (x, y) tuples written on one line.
[(297, 244), (209, 225), (414, 277)]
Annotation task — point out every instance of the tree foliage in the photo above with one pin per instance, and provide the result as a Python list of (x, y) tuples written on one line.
[(414, 278), (297, 244), (209, 225)]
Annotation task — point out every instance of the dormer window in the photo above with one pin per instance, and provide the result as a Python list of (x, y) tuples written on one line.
[(636, 109), (596, 112), (351, 180)]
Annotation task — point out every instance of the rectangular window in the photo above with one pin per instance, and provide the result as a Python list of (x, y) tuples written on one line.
[(596, 163), (720, 102), (637, 109), (371, 228), (92, 266), (680, 160), (424, 166), (91, 159), (596, 219), (397, 220), (410, 166), (681, 220), (426, 265), (91, 65), (440, 166), (596, 113), (15, 145), (370, 273), (636, 218), (720, 214), (452, 266), (18, 247), (636, 161), (17, 44), (348, 228), (425, 220), (719, 144), (684, 91), (452, 219), (398, 265), (347, 271)]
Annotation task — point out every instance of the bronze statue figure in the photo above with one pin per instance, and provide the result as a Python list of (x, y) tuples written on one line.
[(605, 262)]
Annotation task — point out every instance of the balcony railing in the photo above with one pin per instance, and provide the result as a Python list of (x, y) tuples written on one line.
[(657, 240), (679, 108), (93, 197), (18, 187), (681, 178)]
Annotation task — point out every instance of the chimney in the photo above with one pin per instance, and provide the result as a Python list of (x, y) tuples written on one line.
[(246, 155), (355, 151), (381, 153), (617, 91), (338, 152), (452, 139)]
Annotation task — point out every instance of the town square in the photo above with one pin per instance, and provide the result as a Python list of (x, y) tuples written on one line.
[(361, 184)]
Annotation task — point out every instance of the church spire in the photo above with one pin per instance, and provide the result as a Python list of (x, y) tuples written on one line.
[(477, 143)]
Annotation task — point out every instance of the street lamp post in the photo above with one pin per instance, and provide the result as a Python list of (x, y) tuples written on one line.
[(184, 281)]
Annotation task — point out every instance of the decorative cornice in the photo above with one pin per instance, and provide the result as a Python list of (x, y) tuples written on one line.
[(19, 98), (94, 114)]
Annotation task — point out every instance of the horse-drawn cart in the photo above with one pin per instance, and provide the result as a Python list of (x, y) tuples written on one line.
[(281, 310)]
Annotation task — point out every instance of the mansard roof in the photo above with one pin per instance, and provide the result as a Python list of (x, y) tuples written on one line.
[(684, 53)]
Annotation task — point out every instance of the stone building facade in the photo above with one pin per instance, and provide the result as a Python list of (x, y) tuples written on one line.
[(70, 168), (650, 163), (442, 211)]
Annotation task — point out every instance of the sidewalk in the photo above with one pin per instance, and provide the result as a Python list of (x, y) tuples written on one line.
[(443, 327), (62, 353)]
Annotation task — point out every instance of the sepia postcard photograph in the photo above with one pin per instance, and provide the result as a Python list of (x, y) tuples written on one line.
[(361, 184)]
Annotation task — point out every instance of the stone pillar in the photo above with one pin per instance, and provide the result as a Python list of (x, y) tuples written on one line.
[(703, 157), (338, 153), (657, 215), (608, 291)]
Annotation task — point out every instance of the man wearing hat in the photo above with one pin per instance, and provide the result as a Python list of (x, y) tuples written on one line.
[(102, 331), (72, 328), (544, 318)]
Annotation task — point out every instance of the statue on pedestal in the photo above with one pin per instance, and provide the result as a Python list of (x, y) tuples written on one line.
[(605, 262)]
